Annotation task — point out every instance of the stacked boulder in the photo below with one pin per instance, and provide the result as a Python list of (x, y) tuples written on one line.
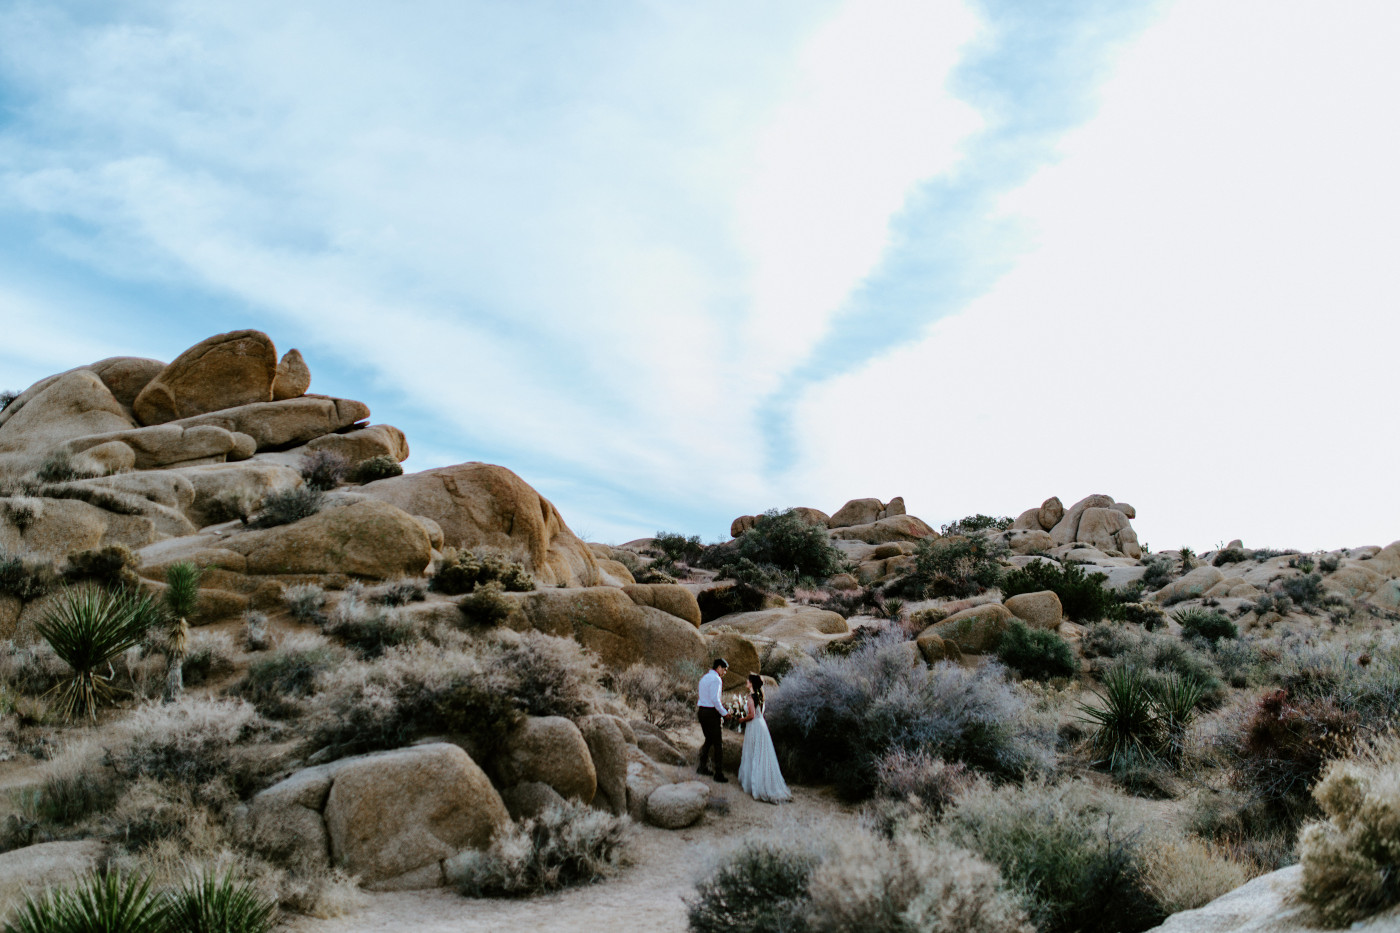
[(1096, 522)]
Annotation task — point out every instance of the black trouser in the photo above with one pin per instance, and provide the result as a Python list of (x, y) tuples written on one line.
[(712, 724)]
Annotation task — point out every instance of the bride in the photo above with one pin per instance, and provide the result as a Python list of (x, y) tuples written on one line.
[(759, 774)]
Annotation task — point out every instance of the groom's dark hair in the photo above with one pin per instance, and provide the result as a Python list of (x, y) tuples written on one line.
[(719, 662)]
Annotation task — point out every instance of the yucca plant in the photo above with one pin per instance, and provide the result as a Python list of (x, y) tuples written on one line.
[(101, 903), (1127, 727), (181, 596), (214, 904), (87, 628), (1175, 703)]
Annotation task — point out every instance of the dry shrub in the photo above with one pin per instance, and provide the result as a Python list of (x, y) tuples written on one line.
[(474, 689), (277, 683), (564, 846), (663, 698), (1285, 745), (919, 777), (305, 602), (759, 886), (75, 785), (210, 655), (909, 885), (368, 628), (1187, 873), (192, 742), (1351, 859), (460, 572), (1074, 851)]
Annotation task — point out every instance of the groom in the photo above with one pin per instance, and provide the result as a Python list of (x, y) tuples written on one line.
[(712, 712)]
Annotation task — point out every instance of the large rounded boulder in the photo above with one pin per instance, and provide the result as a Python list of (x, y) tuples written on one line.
[(222, 371), (365, 538), (550, 750)]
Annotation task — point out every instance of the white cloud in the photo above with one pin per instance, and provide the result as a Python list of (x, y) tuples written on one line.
[(1206, 328)]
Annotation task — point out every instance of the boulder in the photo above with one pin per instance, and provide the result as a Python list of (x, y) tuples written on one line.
[(379, 440), (55, 528), (893, 528), (1029, 520), (741, 524), (293, 377), (843, 581), (975, 631), (75, 404), (661, 749), (548, 750), (480, 504), (676, 806), (222, 371), (31, 869), (856, 512), (1067, 528), (670, 598), (1050, 513), (126, 376), (614, 573), (252, 480), (112, 457), (530, 799), (1126, 509), (1194, 584), (394, 813), (607, 746), (1268, 904), (367, 539), (801, 626), (172, 444), (284, 822), (643, 777), (1108, 530), (607, 621), (1029, 541), (933, 649), (739, 651), (812, 516), (1038, 610), (276, 425)]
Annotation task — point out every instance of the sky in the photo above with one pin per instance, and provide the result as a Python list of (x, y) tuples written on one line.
[(674, 263)]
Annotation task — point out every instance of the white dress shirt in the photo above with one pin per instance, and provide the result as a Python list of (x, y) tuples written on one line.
[(711, 687)]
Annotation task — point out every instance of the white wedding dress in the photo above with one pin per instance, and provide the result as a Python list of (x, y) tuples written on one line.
[(759, 774)]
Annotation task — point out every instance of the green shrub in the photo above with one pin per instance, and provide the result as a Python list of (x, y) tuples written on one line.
[(401, 592), (111, 566), (758, 887), (678, 548), (720, 601), (274, 684), (26, 579), (6, 397), (1036, 653), (1159, 657), (1159, 572), (323, 469), (1147, 615), (1083, 596), (1229, 555), (288, 506), (1188, 558), (975, 523), (486, 606), (219, 904), (88, 628), (62, 467), (1074, 852), (1306, 590), (1138, 721), (1330, 563), (786, 541), (765, 577), (462, 571), (833, 721), (954, 567), (100, 903), (1208, 624), (375, 468), (1349, 857), (566, 845)]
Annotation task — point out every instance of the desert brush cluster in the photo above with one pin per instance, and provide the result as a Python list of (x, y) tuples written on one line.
[(250, 669)]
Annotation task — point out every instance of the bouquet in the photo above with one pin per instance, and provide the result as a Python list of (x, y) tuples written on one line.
[(737, 706)]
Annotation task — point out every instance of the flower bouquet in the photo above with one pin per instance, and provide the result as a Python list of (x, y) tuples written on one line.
[(737, 706)]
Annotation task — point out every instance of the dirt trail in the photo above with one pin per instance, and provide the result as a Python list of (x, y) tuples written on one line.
[(645, 896)]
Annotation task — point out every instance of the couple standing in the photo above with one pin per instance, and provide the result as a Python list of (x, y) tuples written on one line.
[(759, 774)]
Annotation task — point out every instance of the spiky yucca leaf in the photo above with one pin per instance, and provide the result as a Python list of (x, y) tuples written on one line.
[(1175, 705), (1128, 729), (87, 628), (220, 904), (110, 903), (182, 588)]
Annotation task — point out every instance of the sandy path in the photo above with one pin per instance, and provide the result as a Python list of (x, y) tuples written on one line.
[(645, 896)]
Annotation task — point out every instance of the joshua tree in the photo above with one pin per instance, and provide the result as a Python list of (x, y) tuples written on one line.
[(181, 595)]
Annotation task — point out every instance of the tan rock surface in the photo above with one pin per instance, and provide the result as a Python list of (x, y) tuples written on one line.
[(394, 812), (1067, 528), (285, 423), (1038, 610), (607, 621), (607, 746), (670, 598), (75, 404), (378, 440), (975, 631), (856, 512), (479, 503), (741, 653), (222, 371), (800, 626), (676, 806), (548, 750), (366, 539), (293, 377), (1050, 513), (894, 528)]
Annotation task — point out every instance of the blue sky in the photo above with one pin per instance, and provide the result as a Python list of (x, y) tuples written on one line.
[(674, 262)]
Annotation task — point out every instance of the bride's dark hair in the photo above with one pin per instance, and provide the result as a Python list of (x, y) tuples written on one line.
[(757, 683)]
